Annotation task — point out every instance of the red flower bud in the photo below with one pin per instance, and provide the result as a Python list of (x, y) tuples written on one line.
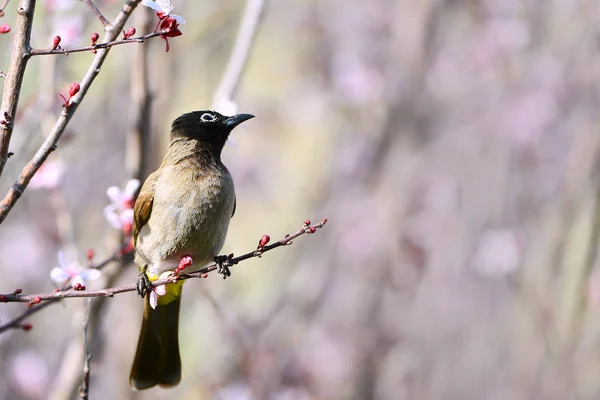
[(74, 89), (27, 327), (2, 297), (263, 241), (129, 33), (56, 290), (204, 276), (324, 221), (36, 300), (4, 28), (18, 291), (307, 222), (56, 41), (89, 254), (95, 37), (312, 230)]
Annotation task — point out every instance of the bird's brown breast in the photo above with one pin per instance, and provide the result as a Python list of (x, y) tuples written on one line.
[(190, 216)]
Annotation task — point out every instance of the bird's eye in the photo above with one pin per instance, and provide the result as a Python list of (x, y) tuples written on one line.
[(208, 117)]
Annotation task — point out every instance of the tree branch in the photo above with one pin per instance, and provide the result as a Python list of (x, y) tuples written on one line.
[(66, 52), (84, 390), (241, 49), (98, 13), (110, 292), (3, 6), (52, 139), (14, 77)]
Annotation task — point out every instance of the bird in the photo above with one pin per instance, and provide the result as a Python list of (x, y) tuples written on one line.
[(181, 217)]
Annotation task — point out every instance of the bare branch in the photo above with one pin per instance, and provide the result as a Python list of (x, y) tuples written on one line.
[(202, 273), (14, 77), (98, 13), (66, 52), (16, 322), (84, 390), (241, 49), (3, 6), (52, 139)]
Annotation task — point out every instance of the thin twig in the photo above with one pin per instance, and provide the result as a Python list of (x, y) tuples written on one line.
[(84, 390), (241, 49), (16, 322), (3, 6), (66, 52), (110, 292), (98, 13), (52, 139), (14, 77)]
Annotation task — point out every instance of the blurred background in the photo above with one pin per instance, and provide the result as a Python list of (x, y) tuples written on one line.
[(453, 146)]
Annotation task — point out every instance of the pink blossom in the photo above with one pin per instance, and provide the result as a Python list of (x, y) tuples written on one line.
[(72, 272), (164, 7), (48, 176), (119, 213), (156, 292)]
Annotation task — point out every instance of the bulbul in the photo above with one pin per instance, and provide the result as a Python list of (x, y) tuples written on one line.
[(183, 210)]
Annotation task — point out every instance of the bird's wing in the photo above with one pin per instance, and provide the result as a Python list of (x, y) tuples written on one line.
[(143, 205)]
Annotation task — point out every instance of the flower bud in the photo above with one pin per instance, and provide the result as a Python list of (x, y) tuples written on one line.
[(307, 222), (129, 33), (74, 89), (95, 37), (263, 241), (27, 327), (4, 28), (36, 300), (56, 41)]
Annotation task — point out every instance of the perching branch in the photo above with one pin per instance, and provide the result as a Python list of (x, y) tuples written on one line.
[(14, 76), (202, 273), (51, 141), (241, 49)]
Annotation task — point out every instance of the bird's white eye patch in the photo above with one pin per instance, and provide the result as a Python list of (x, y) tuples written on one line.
[(208, 117)]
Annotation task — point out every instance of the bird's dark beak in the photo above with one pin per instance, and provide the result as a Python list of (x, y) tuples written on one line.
[(234, 121)]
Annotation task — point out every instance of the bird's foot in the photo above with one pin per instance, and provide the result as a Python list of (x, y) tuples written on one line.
[(223, 263), (144, 286)]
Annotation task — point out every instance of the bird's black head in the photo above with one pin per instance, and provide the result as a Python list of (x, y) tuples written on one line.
[(209, 127)]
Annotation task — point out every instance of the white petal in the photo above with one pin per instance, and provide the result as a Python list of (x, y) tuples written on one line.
[(90, 274), (58, 276), (151, 4), (177, 18), (114, 194), (131, 187), (165, 5), (62, 261), (153, 299), (160, 290), (113, 218), (127, 216)]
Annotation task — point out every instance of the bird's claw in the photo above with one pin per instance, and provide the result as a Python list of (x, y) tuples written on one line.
[(223, 263), (144, 286)]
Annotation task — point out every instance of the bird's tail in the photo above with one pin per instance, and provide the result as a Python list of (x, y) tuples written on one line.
[(157, 360)]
